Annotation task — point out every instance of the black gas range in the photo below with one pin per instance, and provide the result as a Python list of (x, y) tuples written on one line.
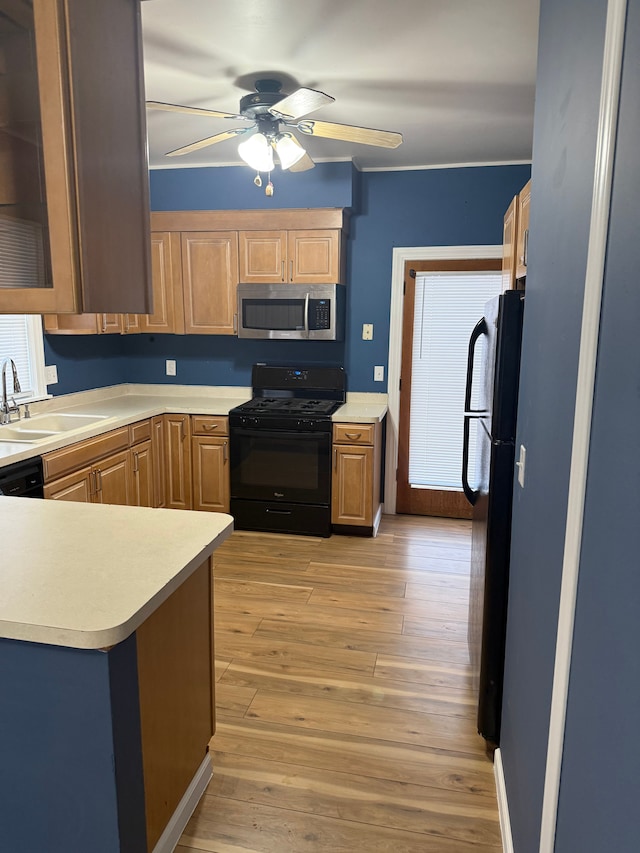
[(280, 444)]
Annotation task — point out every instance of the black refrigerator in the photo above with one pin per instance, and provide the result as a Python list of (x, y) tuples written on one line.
[(491, 403)]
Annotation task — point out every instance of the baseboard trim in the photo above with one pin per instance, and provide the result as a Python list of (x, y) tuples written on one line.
[(179, 819), (503, 804)]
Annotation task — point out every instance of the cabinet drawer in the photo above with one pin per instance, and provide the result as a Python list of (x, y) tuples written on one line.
[(84, 453), (209, 425), (140, 431), (353, 433)]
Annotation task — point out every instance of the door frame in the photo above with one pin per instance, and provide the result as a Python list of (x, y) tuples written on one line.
[(401, 255)]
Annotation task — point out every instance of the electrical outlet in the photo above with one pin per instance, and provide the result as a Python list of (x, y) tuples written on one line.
[(171, 367), (367, 331), (378, 373), (521, 463), (51, 374)]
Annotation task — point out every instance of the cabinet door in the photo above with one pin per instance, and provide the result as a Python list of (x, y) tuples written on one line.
[(142, 489), (177, 435), (314, 257), (166, 275), (263, 257), (75, 217), (522, 243), (158, 454), (210, 281), (509, 235), (352, 485), (210, 473), (74, 487), (113, 479), (72, 324), (110, 324)]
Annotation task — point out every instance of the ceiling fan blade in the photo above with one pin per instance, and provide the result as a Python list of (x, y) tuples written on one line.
[(350, 133), (304, 164), (300, 103), (196, 111), (210, 140)]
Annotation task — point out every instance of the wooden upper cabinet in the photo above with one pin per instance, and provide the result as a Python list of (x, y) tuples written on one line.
[(263, 257), (315, 257), (166, 275), (522, 241), (75, 216), (293, 257), (509, 246), (210, 281)]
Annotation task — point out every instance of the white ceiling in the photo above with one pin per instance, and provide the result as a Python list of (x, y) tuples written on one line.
[(455, 77)]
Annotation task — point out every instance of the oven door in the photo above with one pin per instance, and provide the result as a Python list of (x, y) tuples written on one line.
[(280, 465)]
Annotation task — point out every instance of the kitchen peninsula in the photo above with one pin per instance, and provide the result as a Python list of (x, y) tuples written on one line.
[(106, 669)]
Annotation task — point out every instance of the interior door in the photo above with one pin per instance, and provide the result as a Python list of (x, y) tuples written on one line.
[(417, 497)]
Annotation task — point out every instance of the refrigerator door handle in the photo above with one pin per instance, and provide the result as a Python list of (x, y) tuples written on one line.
[(479, 330), (470, 494)]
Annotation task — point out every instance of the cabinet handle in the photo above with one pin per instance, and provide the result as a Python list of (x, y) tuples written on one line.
[(335, 458), (225, 454), (135, 463), (182, 431), (104, 322), (98, 476), (126, 324), (526, 247), (235, 323), (291, 274), (211, 426), (93, 488), (353, 436)]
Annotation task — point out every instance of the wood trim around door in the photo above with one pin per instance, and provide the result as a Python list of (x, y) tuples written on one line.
[(435, 502)]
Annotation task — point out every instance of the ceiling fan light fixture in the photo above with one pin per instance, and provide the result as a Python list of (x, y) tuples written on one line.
[(289, 152), (257, 153)]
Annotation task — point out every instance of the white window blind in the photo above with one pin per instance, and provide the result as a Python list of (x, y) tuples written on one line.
[(447, 307), (21, 340)]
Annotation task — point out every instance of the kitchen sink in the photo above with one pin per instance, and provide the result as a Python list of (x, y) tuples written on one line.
[(44, 426)]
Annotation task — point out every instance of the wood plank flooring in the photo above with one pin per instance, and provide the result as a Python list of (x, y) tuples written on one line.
[(346, 720)]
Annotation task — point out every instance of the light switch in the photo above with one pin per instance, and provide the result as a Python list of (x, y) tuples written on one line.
[(171, 367), (521, 463), (367, 331)]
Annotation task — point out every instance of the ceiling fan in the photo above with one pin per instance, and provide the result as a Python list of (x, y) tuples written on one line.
[(270, 117)]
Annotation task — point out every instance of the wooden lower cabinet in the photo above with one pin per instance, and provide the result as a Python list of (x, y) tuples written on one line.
[(106, 482), (176, 691), (210, 458), (177, 460), (157, 453), (142, 474), (355, 489)]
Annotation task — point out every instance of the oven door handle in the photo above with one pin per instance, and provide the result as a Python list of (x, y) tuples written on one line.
[(267, 432), (279, 511), (306, 314)]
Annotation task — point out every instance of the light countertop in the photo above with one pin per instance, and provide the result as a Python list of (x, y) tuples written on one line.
[(125, 404), (87, 575)]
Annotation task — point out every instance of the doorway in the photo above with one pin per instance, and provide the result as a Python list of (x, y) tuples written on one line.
[(444, 261)]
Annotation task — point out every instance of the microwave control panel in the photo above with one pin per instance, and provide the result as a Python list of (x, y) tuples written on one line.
[(319, 314)]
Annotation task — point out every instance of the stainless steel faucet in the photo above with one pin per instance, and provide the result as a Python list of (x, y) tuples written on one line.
[(8, 407)]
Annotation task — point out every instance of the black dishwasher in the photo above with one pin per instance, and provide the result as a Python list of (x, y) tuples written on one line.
[(22, 479)]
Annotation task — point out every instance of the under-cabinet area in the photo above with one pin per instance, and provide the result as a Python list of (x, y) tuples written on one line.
[(198, 258)]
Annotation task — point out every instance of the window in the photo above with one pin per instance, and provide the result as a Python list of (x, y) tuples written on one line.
[(21, 340), (447, 307)]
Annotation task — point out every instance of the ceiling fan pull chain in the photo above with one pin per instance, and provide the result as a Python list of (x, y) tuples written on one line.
[(268, 190), (257, 180)]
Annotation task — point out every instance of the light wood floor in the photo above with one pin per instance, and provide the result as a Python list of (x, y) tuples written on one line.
[(346, 720)]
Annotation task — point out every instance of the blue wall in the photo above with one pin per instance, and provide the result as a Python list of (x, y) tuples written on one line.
[(597, 807), (418, 208)]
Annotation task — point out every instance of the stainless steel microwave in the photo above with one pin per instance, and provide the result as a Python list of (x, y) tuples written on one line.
[(296, 312)]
